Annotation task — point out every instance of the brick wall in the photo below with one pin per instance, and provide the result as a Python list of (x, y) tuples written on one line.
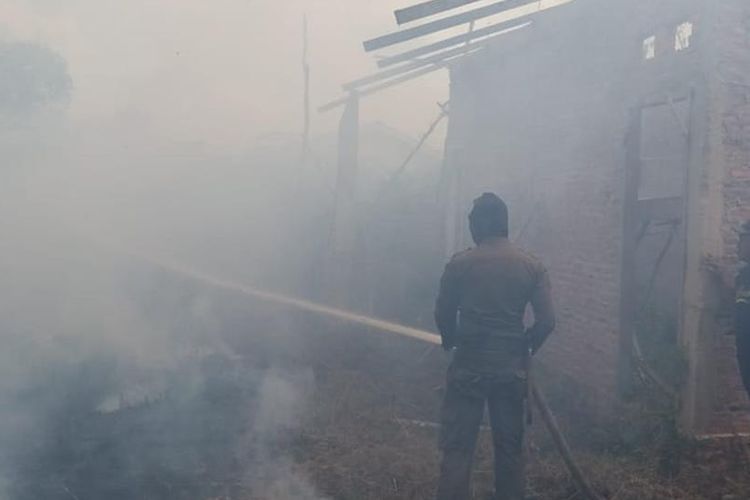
[(731, 80), (728, 188)]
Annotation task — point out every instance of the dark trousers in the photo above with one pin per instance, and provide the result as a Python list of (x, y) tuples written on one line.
[(463, 409), (743, 359)]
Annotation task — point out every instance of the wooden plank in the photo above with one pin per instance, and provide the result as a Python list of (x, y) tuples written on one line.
[(501, 28), (400, 170), (441, 24), (396, 81), (426, 9), (362, 93), (425, 61)]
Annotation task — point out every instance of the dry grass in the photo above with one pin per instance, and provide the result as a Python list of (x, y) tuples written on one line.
[(355, 447), (354, 443)]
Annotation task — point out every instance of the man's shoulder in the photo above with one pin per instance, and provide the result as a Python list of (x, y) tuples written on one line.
[(509, 249), (527, 256), (461, 256)]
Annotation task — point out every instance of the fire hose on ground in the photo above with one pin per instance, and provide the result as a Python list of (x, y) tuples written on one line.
[(386, 326)]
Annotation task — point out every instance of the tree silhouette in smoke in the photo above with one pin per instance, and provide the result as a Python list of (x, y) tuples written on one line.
[(33, 76)]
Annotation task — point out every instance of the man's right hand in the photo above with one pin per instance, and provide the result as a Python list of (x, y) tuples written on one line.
[(448, 343)]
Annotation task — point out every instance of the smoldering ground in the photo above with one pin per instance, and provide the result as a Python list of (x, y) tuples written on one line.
[(103, 397)]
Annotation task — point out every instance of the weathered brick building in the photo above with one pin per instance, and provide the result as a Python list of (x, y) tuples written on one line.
[(619, 134)]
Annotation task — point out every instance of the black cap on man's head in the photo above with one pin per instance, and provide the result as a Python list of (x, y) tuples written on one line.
[(488, 218)]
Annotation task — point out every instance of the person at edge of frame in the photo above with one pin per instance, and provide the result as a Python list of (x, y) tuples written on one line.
[(735, 288)]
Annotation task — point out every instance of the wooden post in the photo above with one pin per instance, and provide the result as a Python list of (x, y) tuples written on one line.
[(698, 323), (449, 194), (627, 266), (344, 236), (306, 96)]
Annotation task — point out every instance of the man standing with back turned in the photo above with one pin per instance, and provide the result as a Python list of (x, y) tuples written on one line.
[(480, 310)]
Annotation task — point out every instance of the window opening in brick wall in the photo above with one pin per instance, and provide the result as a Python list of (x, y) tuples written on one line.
[(683, 36), (663, 150), (649, 47)]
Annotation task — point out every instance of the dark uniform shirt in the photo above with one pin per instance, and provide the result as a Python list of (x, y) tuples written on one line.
[(480, 309)]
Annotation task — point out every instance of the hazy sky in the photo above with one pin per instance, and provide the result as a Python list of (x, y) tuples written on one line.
[(220, 72)]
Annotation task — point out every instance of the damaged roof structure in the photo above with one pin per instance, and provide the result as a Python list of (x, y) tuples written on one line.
[(618, 135)]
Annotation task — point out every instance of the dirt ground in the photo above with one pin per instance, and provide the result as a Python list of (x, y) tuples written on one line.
[(369, 434), (353, 448)]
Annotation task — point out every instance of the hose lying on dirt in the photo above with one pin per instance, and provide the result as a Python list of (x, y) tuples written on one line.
[(385, 326)]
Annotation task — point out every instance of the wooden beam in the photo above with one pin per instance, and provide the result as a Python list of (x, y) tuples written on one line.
[(417, 63), (400, 170), (441, 24), (426, 9), (390, 83), (501, 28), (395, 81)]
